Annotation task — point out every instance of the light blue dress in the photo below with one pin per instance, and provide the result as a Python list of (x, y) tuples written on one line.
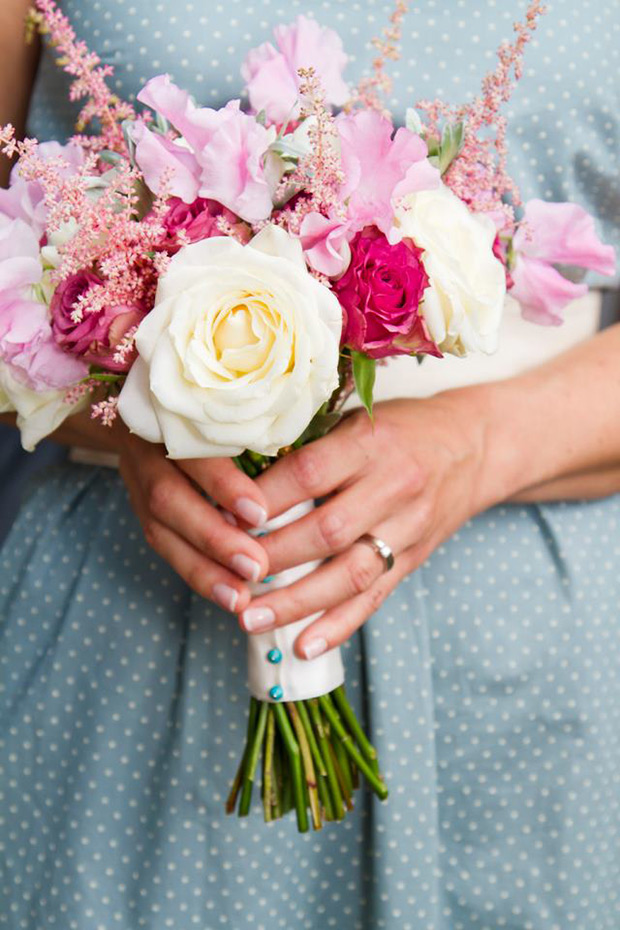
[(490, 679)]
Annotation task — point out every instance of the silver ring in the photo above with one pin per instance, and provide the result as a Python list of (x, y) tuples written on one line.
[(381, 548)]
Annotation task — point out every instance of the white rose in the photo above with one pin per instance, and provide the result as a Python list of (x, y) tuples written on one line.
[(463, 305), (239, 352), (38, 413)]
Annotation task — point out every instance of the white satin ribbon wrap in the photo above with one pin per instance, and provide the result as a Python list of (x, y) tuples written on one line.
[(298, 678)]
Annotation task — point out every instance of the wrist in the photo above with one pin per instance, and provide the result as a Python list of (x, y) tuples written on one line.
[(496, 430)]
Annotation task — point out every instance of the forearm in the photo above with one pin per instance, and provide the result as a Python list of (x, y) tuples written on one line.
[(554, 431)]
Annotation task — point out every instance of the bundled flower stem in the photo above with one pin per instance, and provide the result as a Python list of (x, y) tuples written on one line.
[(312, 755)]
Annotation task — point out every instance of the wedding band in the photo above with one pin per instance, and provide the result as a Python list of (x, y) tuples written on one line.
[(381, 548)]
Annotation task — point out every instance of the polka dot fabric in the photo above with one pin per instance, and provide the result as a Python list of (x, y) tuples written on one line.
[(489, 681), (563, 117)]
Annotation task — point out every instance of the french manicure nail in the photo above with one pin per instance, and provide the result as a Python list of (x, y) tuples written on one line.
[(258, 619), (250, 511), (314, 647), (245, 566), (225, 596)]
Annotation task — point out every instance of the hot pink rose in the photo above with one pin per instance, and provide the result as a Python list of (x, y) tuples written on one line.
[(96, 338), (380, 294), (197, 220)]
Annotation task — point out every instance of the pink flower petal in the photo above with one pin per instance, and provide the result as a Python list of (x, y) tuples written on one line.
[(194, 123), (157, 157), (326, 244), (542, 291), (563, 233)]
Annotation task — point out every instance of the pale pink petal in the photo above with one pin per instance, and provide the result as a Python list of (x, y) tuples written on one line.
[(306, 44), (542, 291), (195, 124), (326, 244), (272, 75), (563, 233), (422, 176), (273, 89), (376, 166), (157, 156), (232, 167)]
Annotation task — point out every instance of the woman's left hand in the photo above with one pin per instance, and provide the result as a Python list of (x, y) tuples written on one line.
[(411, 478)]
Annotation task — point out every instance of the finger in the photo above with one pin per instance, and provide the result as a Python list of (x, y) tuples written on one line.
[(160, 492), (233, 490), (174, 501), (315, 470), (342, 579), (337, 625), (335, 525), (205, 577)]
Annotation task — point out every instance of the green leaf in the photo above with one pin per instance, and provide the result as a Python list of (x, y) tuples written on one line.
[(364, 377), (451, 144)]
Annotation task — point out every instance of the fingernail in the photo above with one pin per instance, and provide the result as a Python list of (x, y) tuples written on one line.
[(258, 619), (250, 511), (225, 596), (229, 517), (314, 647), (245, 566)]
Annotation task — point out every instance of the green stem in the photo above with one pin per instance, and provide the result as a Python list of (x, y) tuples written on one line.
[(278, 800), (268, 766), (367, 749), (332, 779), (254, 749), (308, 766), (372, 778), (326, 800), (343, 762), (292, 748), (236, 785), (342, 781)]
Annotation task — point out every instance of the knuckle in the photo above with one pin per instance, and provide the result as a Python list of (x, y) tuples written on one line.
[(376, 596), (334, 531), (306, 469), (159, 496), (197, 579), (150, 528), (361, 573)]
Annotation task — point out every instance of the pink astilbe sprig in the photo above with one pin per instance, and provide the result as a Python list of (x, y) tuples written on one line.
[(126, 347), (105, 410), (319, 176), (479, 174), (370, 89), (89, 80)]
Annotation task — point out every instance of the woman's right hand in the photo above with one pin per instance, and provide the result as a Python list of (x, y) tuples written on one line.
[(211, 554)]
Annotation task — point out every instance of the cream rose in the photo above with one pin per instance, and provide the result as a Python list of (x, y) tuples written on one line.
[(463, 305), (239, 352)]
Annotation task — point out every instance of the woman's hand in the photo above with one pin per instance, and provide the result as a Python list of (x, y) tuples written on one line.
[(411, 479), (210, 553)]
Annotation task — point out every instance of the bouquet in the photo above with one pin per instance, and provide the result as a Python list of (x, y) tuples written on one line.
[(224, 279)]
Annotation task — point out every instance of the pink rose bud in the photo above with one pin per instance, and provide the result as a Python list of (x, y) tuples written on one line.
[(96, 337)]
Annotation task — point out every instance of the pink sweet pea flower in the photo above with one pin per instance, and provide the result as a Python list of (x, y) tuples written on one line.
[(380, 168), (220, 156), (326, 243), (554, 233), (27, 345), (271, 73)]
